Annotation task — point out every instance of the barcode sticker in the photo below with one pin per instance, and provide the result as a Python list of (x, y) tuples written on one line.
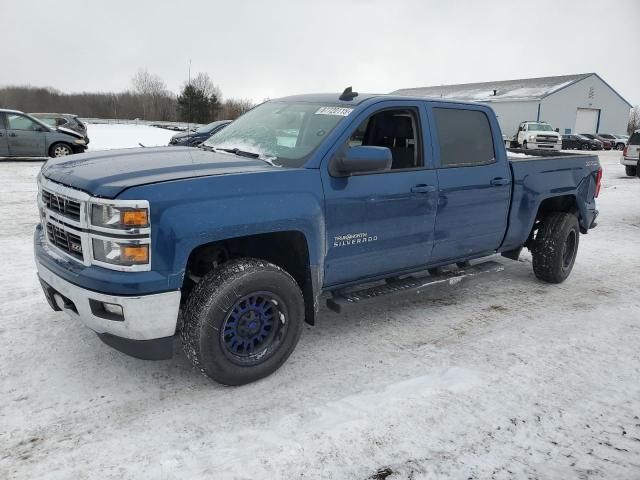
[(338, 111)]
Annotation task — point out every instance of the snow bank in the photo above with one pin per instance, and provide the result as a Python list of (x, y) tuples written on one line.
[(106, 137)]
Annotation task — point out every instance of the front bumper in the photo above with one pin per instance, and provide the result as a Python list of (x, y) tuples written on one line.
[(628, 161), (544, 146), (145, 330)]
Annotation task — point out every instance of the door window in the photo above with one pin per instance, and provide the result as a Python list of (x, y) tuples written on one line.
[(395, 129), (464, 136), (20, 122)]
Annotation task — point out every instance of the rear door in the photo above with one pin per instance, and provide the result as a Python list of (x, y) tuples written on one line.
[(26, 137), (381, 223), (474, 181), (4, 145)]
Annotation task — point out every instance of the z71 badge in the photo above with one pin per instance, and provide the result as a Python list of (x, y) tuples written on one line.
[(353, 239)]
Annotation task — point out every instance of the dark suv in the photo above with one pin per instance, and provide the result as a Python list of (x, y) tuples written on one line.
[(193, 139), (64, 120)]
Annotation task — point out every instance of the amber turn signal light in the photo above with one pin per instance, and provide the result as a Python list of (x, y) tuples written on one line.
[(134, 254), (134, 218)]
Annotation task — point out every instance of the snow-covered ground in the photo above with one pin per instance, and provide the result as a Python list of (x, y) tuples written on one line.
[(104, 137), (501, 377)]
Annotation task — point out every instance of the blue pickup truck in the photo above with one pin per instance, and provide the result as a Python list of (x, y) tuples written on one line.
[(232, 244)]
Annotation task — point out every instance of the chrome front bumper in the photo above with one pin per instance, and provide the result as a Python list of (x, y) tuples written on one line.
[(145, 317)]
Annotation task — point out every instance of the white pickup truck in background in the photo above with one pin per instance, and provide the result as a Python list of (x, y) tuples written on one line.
[(536, 135), (631, 155)]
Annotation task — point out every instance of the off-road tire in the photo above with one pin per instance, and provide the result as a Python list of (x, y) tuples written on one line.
[(210, 304), (630, 170), (53, 151), (553, 252)]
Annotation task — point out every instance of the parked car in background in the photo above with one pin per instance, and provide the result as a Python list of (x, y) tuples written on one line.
[(63, 120), (193, 139), (578, 142), (606, 143), (537, 135), (631, 155), (617, 141), (24, 136)]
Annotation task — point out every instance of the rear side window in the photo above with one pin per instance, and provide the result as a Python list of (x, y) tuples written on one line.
[(464, 136), (635, 139)]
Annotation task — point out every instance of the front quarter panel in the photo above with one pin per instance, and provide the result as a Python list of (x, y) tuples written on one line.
[(188, 213)]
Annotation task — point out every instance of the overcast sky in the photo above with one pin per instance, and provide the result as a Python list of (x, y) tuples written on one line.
[(270, 48)]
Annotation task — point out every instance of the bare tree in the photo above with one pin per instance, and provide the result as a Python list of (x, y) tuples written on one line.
[(634, 120), (152, 91), (234, 107)]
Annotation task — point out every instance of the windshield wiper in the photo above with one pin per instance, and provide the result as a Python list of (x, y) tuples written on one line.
[(240, 153)]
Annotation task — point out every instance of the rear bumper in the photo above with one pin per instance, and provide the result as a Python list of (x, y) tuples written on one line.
[(145, 328)]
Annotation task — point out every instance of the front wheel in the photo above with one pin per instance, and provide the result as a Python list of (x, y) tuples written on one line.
[(555, 247), (630, 170), (585, 146), (242, 321), (60, 150), (620, 146), (524, 145)]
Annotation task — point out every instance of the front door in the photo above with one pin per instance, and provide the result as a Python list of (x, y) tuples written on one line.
[(474, 181), (4, 145), (26, 137), (382, 223)]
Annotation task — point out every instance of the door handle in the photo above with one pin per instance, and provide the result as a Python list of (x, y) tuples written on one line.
[(423, 188), (499, 181)]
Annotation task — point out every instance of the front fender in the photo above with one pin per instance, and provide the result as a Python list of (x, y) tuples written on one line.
[(192, 212)]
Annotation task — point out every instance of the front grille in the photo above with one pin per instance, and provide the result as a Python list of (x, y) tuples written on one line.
[(64, 240), (62, 205), (546, 139)]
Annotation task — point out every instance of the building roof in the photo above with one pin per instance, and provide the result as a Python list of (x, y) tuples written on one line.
[(505, 90)]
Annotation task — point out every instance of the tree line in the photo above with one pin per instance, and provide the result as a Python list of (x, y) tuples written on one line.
[(199, 101)]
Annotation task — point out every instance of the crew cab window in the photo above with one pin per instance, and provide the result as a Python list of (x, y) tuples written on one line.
[(395, 129), (464, 136), (20, 122)]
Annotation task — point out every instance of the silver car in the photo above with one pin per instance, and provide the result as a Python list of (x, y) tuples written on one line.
[(24, 136)]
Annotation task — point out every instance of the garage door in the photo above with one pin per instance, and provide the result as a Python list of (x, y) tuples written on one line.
[(587, 120)]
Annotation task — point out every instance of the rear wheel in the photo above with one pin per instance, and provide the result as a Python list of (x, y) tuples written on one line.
[(60, 150), (585, 146), (630, 170), (242, 321), (555, 247)]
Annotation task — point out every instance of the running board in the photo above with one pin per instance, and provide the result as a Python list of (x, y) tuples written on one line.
[(343, 298)]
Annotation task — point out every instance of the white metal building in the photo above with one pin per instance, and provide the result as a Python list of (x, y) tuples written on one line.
[(582, 103)]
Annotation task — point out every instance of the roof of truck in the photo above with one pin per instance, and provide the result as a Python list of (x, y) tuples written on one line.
[(334, 98)]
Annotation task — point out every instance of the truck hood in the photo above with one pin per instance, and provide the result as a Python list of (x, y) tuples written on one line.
[(109, 172)]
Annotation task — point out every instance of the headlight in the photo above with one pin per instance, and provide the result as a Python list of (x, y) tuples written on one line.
[(532, 137), (80, 141), (109, 216), (120, 252)]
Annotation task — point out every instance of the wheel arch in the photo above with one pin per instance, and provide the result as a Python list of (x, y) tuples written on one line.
[(287, 249), (561, 203)]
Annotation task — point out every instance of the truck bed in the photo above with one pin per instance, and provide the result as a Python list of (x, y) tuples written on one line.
[(538, 175)]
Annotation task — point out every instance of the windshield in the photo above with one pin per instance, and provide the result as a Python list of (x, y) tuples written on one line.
[(207, 128), (540, 127), (284, 133)]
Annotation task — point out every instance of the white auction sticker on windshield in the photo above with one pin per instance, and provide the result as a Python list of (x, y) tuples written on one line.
[(339, 111)]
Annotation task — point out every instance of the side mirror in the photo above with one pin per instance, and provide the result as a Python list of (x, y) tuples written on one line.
[(40, 129), (361, 159)]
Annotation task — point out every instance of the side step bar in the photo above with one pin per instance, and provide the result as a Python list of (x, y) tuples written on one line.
[(343, 298)]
